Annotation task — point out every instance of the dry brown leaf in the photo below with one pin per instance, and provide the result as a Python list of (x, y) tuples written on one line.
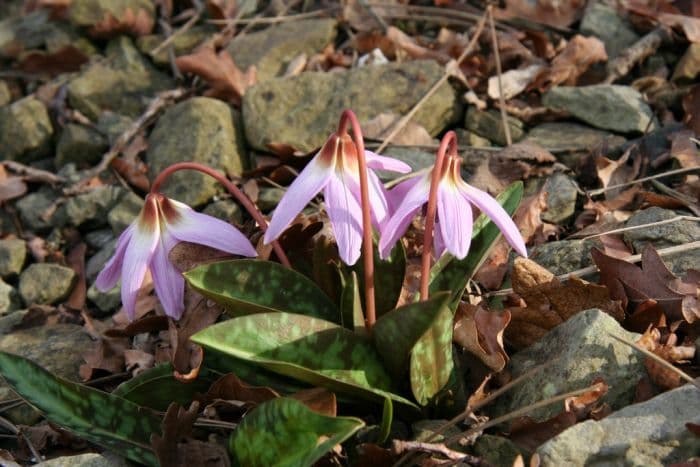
[(579, 54), (412, 134), (691, 107), (614, 172), (684, 150), (222, 9), (227, 81), (65, 60), (135, 23), (480, 332), (320, 400), (689, 25), (552, 12), (360, 18), (76, 261), (137, 361), (648, 313), (106, 355), (186, 356), (405, 43), (58, 8), (513, 82), (11, 187), (669, 351), (230, 387)]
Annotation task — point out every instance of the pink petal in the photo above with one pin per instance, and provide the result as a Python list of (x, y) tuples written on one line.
[(192, 226), (137, 257), (168, 282), (455, 215), (396, 226), (378, 202), (396, 195), (310, 181), (438, 242), (498, 215), (109, 276), (345, 214), (377, 162)]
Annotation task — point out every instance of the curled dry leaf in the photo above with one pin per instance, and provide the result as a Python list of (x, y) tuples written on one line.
[(135, 23), (222, 9), (578, 55), (412, 134), (684, 150), (230, 387), (552, 12), (613, 172), (513, 82), (671, 352), (691, 106), (550, 303), (319, 400), (406, 44), (76, 261), (480, 332)]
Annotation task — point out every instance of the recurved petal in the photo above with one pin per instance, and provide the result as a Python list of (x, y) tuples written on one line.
[(137, 258), (310, 181), (345, 214), (377, 200), (455, 215), (109, 276), (438, 242), (498, 215), (167, 280), (188, 225), (396, 195), (377, 162)]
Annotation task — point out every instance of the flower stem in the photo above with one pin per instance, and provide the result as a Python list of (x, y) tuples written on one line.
[(232, 188), (449, 141), (349, 117)]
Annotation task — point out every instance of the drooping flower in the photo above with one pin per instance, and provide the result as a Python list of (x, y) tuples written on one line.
[(453, 228), (335, 171), (146, 243)]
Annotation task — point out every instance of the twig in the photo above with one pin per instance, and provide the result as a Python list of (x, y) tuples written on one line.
[(497, 55), (658, 359), (640, 50), (643, 226), (400, 447), (184, 28), (213, 423), (689, 202), (275, 19), (5, 423), (34, 174), (600, 191), (443, 79)]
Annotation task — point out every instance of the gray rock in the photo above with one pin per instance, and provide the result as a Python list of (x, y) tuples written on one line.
[(92, 13), (201, 130), (105, 301), (269, 198), (124, 212), (688, 66), (607, 106), (94, 265), (603, 21), (564, 256), (113, 125), (59, 348), (303, 111), (34, 207), (665, 235), (80, 144), (25, 130), (561, 198), (183, 43), (88, 209), (9, 298), (90, 459), (5, 94), (97, 239), (45, 283), (585, 352), (271, 49), (649, 434), (415, 157), (488, 124), (226, 209), (122, 83), (469, 138), (496, 450), (13, 254)]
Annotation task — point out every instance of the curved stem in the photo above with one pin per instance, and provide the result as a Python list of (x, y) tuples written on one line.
[(349, 116), (449, 141), (232, 188)]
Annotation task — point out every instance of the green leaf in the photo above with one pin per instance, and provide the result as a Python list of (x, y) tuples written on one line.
[(453, 274), (246, 286), (284, 432), (351, 307), (156, 388), (431, 359), (396, 332), (99, 417), (308, 349), (387, 419), (388, 278)]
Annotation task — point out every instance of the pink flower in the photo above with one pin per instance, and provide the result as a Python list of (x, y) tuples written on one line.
[(335, 171), (453, 229), (146, 243)]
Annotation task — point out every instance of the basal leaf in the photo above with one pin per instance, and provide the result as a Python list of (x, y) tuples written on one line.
[(246, 286), (396, 333), (102, 418), (308, 349), (351, 307), (284, 432), (453, 274), (388, 278)]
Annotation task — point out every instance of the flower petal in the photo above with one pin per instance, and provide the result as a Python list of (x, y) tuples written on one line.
[(396, 195), (375, 161), (188, 225), (498, 215), (345, 214), (310, 181), (167, 280), (378, 202), (456, 221), (397, 224), (137, 258), (109, 276), (438, 242)]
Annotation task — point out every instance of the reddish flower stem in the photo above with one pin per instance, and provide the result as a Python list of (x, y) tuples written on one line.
[(232, 188), (349, 117), (449, 142)]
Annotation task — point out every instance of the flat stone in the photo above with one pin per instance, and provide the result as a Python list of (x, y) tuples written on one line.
[(497, 450), (563, 256), (604, 22), (561, 198), (5, 93), (124, 212), (302, 111), (9, 299), (226, 209), (271, 49), (94, 265), (650, 434), (80, 144), (33, 206), (269, 198), (112, 125), (88, 209), (97, 239), (13, 254), (574, 137), (585, 351), (45, 283), (183, 44), (487, 123), (105, 301), (25, 130), (200, 130), (90, 459), (607, 106), (688, 66), (93, 13), (469, 138)]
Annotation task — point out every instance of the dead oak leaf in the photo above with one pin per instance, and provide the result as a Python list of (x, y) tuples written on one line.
[(480, 332), (557, 13), (614, 172), (136, 23), (579, 54), (227, 81), (671, 352)]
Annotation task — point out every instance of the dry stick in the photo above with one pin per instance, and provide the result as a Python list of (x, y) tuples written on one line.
[(185, 27), (640, 50), (689, 202), (658, 359), (232, 188), (501, 98), (641, 180), (642, 226), (406, 118), (5, 423), (276, 19), (400, 446)]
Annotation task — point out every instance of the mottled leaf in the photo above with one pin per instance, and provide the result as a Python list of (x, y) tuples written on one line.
[(104, 419), (453, 274), (245, 286), (351, 306), (388, 278), (284, 432), (396, 332), (222, 364), (311, 350), (387, 419)]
